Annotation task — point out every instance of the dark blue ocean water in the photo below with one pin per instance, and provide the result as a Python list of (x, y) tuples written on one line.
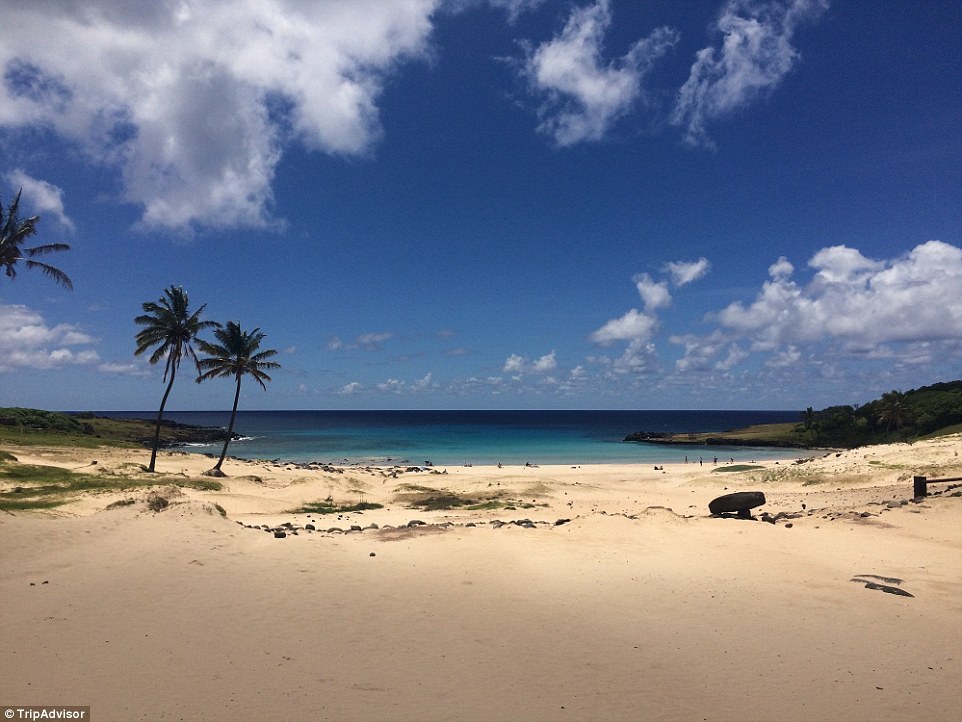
[(472, 437)]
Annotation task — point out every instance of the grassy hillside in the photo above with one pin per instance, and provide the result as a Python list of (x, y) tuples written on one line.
[(896, 416), (51, 428)]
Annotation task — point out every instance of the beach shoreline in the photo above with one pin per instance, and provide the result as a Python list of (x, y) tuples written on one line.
[(601, 591)]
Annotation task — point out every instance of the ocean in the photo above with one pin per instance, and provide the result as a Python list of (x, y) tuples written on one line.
[(452, 438)]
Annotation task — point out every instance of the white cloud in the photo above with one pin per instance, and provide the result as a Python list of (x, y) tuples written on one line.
[(584, 94), (514, 364), (633, 326), (351, 388), (858, 301), (26, 341), (546, 363), (638, 357), (683, 273), (756, 52), (904, 311), (372, 341), (395, 386), (123, 369), (366, 341), (425, 382), (654, 294), (40, 198), (196, 100)]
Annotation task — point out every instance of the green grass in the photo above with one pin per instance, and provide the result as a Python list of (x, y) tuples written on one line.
[(425, 498), (34, 427), (33, 486), (737, 467), (328, 507)]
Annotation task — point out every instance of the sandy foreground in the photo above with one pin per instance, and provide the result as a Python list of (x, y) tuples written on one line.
[(622, 599)]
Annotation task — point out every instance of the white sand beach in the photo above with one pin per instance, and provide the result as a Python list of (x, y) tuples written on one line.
[(607, 592)]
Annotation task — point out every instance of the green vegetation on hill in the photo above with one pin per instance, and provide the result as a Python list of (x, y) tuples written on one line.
[(33, 427), (927, 411), (896, 416)]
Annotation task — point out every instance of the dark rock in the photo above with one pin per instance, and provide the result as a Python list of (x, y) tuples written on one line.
[(415, 522), (310, 527), (740, 502), (559, 522), (280, 534)]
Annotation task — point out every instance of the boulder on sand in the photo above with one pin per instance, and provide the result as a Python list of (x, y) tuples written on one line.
[(741, 502)]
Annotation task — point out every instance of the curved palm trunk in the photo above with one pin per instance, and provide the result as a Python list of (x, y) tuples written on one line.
[(230, 427), (160, 416)]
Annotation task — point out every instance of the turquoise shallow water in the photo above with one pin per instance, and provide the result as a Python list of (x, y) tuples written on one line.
[(474, 437)]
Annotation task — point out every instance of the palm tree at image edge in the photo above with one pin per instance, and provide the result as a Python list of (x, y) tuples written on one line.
[(13, 233), (236, 355), (172, 329)]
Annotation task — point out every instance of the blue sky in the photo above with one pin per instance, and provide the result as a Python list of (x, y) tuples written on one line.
[(490, 203)]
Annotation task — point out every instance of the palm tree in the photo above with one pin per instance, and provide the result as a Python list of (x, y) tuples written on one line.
[(235, 356), (170, 329), (13, 232), (895, 410)]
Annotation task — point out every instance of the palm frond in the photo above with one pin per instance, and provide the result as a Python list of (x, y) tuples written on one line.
[(52, 272)]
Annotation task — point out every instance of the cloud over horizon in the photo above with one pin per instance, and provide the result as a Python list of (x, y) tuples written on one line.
[(27, 342), (853, 306)]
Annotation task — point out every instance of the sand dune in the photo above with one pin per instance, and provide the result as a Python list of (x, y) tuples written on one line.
[(605, 593)]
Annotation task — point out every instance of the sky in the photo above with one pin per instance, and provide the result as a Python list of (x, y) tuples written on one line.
[(474, 204)]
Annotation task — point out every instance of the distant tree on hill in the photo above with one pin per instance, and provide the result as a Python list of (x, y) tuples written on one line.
[(170, 329), (13, 233), (894, 410), (236, 355)]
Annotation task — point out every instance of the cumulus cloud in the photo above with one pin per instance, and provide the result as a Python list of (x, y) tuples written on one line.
[(755, 54), (514, 364), (857, 300), (26, 341), (194, 101), (351, 388), (654, 294), (397, 386), (638, 327), (633, 326), (518, 365), (902, 309), (546, 363), (583, 93), (40, 198)]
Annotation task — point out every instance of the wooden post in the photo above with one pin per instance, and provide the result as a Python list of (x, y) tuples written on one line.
[(921, 486)]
